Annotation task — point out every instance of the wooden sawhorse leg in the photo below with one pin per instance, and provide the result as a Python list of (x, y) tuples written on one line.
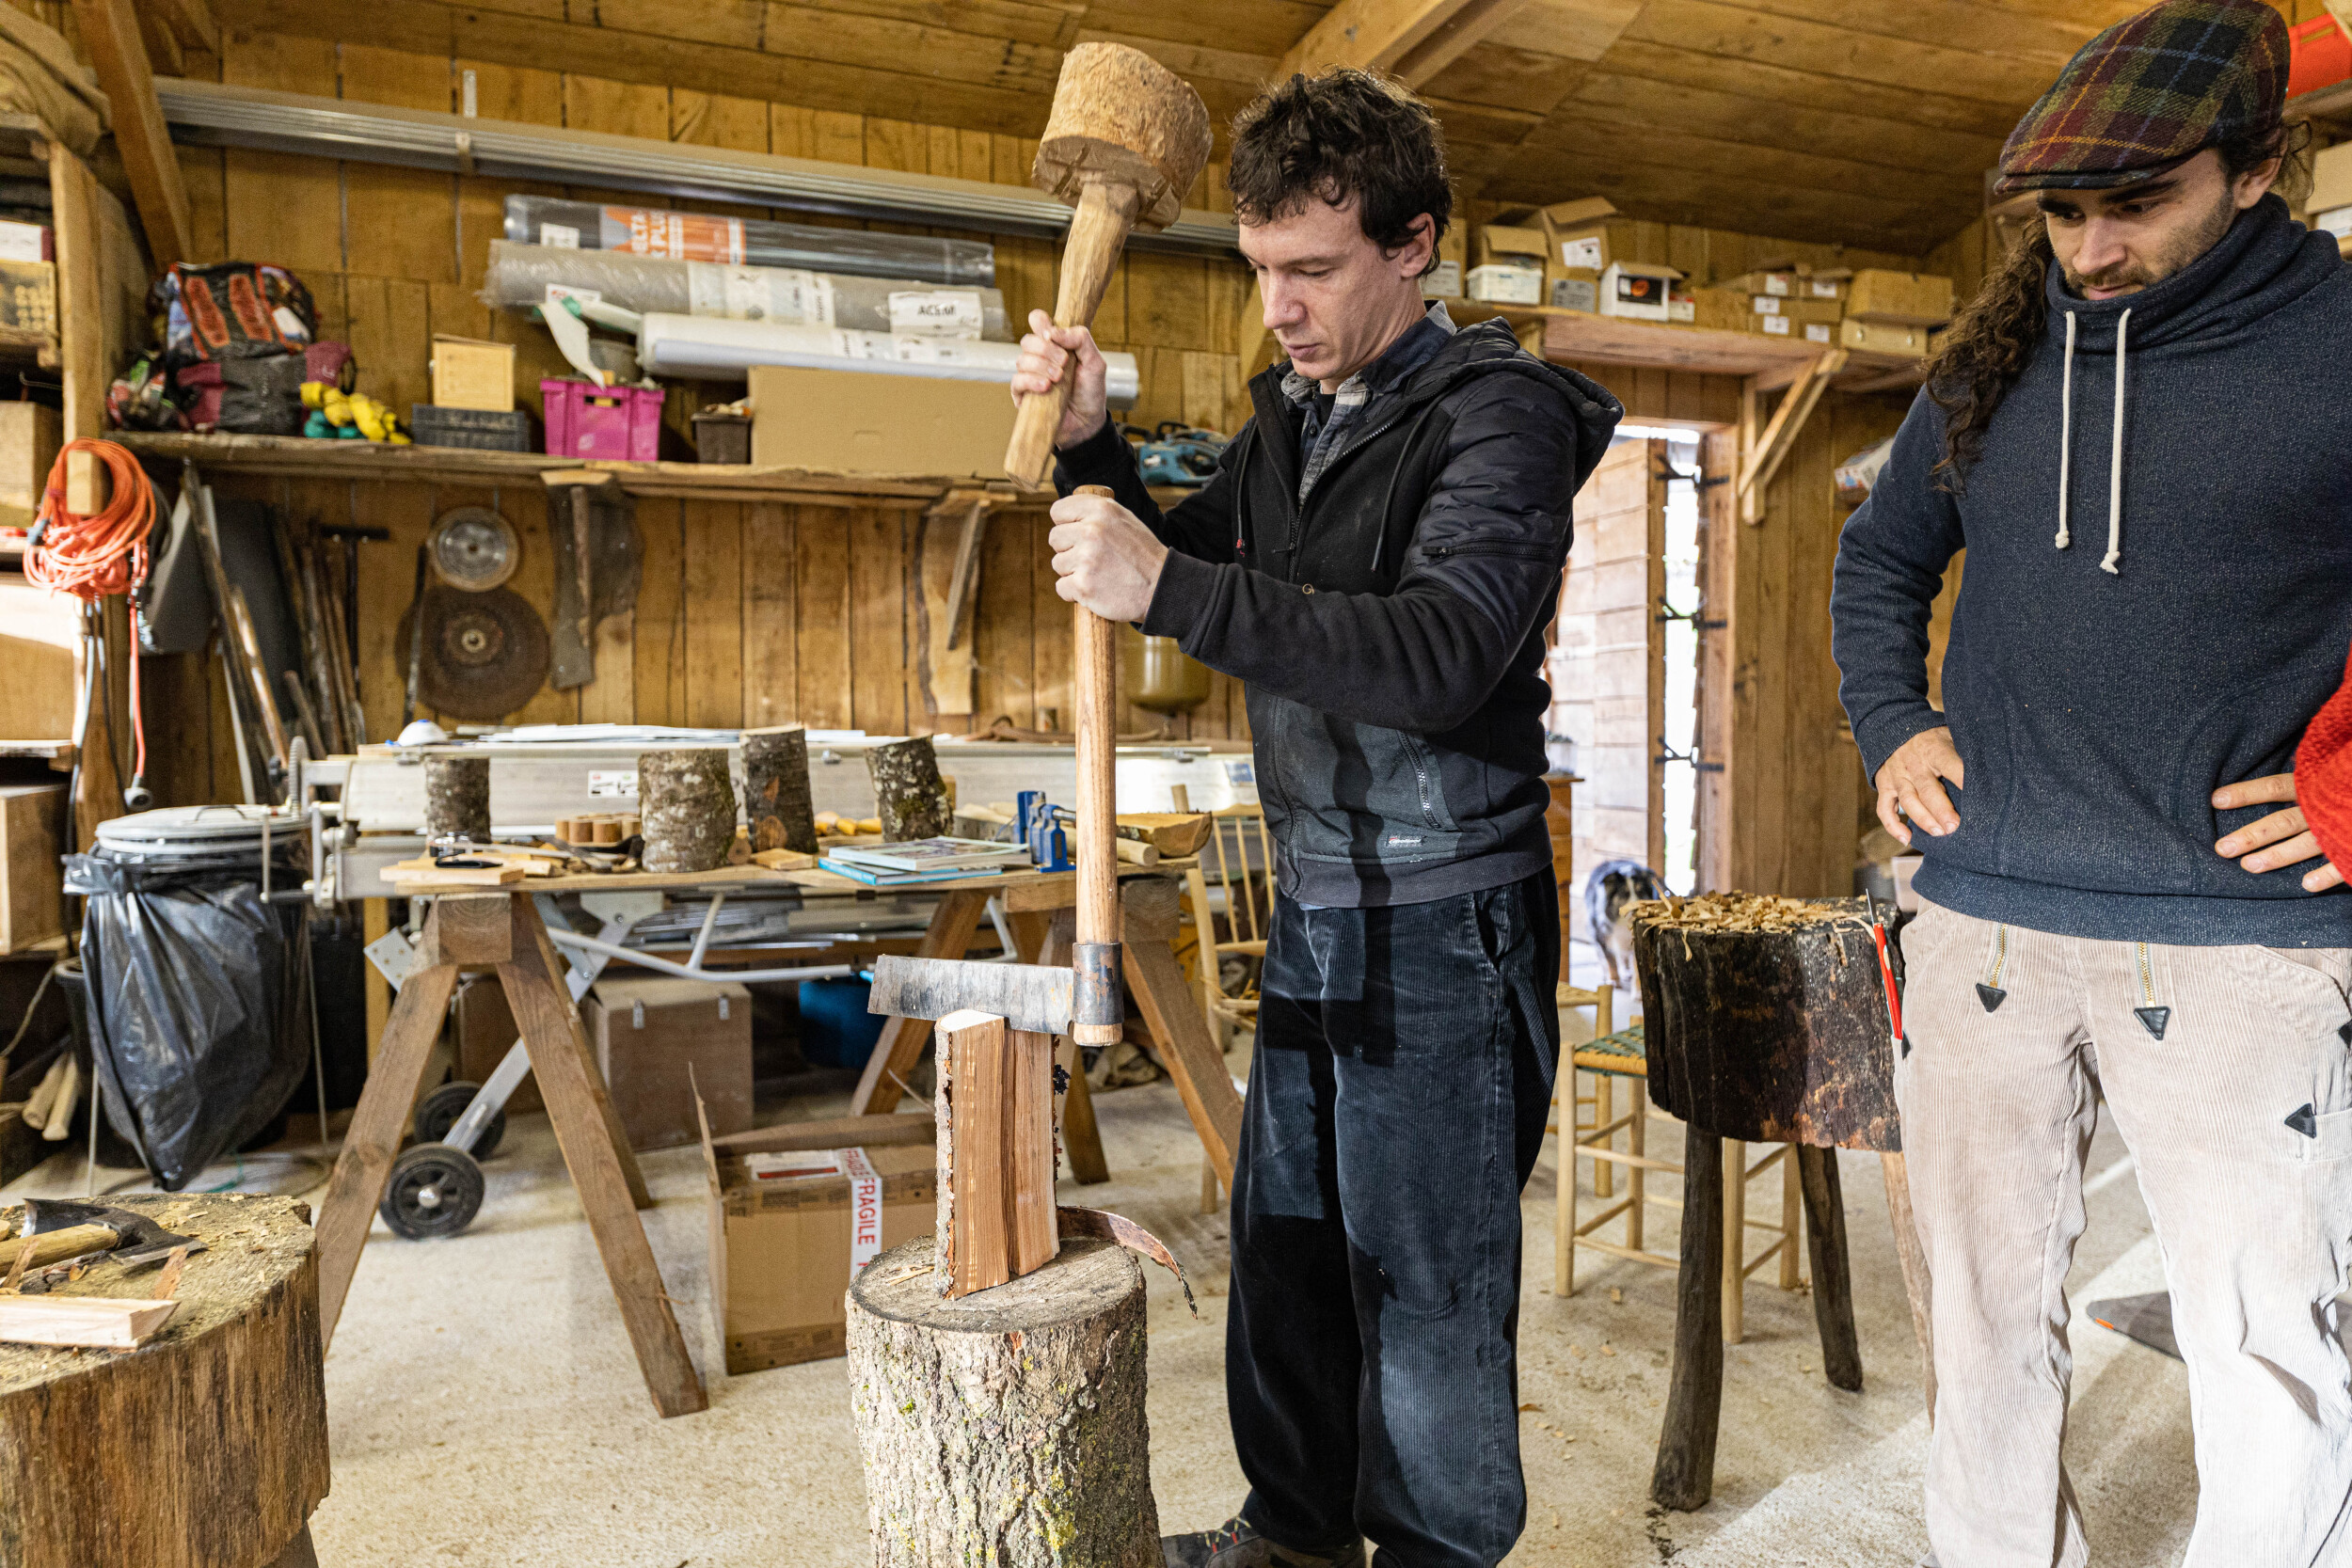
[(948, 936), (1080, 1138), (504, 929)]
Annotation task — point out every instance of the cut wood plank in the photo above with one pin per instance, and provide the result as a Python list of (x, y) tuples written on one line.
[(110, 31), (92, 1322)]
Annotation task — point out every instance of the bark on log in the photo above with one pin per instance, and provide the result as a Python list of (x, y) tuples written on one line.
[(1771, 1036), (688, 806), (775, 790), (456, 797), (910, 795), (1005, 1427), (206, 1447)]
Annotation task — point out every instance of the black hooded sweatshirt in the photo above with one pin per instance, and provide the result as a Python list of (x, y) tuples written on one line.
[(1389, 628)]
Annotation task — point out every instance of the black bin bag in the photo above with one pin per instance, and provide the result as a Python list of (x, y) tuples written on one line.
[(196, 1009)]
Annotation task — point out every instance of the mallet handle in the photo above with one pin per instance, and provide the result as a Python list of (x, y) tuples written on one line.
[(1095, 1012), (1097, 230)]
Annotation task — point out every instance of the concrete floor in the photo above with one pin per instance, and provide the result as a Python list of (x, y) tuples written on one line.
[(485, 1408)]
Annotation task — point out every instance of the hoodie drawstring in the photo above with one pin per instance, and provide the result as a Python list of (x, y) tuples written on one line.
[(2115, 456)]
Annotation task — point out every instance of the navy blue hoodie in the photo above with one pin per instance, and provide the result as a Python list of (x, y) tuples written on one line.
[(2182, 637)]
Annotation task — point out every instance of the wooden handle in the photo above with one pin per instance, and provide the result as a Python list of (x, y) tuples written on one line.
[(1097, 230), (1095, 1015), (52, 1246)]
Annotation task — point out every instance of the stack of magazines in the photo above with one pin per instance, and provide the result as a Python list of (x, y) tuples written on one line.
[(925, 860)]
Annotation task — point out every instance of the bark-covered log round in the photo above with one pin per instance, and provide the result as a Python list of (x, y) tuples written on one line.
[(687, 804), (456, 797), (206, 1447), (775, 790), (910, 795), (1005, 1427), (1767, 1026)]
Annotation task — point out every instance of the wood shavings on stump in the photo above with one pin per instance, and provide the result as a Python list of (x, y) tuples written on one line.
[(456, 797), (910, 795), (687, 804), (775, 790), (1004, 1428)]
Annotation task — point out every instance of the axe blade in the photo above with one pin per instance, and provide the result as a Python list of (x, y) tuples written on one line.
[(139, 1240), (1030, 997)]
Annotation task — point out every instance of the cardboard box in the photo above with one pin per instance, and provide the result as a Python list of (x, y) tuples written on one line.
[(26, 242), (1507, 284), (867, 423), (1504, 244), (30, 434), (2331, 177), (660, 1043), (1444, 281), (1682, 307), (469, 373), (1573, 289), (1793, 283), (1875, 337), (28, 295), (1722, 309), (1796, 330), (32, 830), (1636, 290), (1908, 298), (1805, 311), (781, 1249), (1577, 234)]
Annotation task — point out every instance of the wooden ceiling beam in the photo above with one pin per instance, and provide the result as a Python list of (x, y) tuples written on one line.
[(1972, 26), (1731, 32), (1638, 101), (1571, 130), (190, 21), (1253, 27), (1667, 62), (110, 31), (1411, 40)]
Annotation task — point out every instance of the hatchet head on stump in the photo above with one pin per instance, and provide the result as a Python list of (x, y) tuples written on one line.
[(1126, 139)]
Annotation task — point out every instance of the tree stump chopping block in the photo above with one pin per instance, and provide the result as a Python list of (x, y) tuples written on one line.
[(204, 1448), (1004, 1428)]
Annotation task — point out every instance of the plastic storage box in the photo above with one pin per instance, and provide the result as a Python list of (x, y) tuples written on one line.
[(478, 428), (618, 423)]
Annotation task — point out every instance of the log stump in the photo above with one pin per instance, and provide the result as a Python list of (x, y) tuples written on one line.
[(1005, 1427), (686, 804), (204, 1448), (775, 790), (910, 795), (456, 797)]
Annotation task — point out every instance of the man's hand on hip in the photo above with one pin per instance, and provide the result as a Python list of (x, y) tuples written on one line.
[(1046, 353), (1911, 784), (1107, 561), (2282, 838)]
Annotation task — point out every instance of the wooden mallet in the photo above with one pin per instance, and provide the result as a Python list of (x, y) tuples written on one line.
[(1126, 139)]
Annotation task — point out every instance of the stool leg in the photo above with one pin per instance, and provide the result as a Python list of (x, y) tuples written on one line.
[(1604, 1108), (1735, 1237), (1685, 1476), (1637, 1094), (1791, 1218), (1833, 1281), (1564, 1203)]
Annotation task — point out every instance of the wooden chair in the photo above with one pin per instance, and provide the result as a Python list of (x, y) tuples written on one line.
[(1620, 1054), (1247, 892)]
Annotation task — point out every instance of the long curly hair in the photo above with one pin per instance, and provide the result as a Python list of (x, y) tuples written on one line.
[(1993, 336)]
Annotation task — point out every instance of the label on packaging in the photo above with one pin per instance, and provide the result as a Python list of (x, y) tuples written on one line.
[(863, 345), (559, 236), (680, 236), (917, 348), (620, 783), (1767, 306), (1575, 293), (1823, 291), (24, 242), (788, 294), (936, 312), (1778, 327), (1587, 250), (866, 1209), (792, 1167), (1444, 281), (1683, 307), (1817, 332), (1777, 283)]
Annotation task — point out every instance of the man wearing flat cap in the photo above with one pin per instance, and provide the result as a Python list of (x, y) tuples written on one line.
[(2137, 434)]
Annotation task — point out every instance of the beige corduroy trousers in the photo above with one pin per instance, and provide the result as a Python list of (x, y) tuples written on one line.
[(2228, 1073)]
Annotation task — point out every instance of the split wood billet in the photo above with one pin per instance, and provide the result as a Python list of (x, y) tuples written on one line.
[(996, 1127), (91, 1323), (1027, 996)]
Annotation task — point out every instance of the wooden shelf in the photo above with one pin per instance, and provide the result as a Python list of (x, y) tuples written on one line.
[(1658, 345)]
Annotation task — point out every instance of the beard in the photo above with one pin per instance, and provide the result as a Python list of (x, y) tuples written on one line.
[(2182, 248)]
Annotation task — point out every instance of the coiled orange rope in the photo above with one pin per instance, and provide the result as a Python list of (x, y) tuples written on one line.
[(98, 556)]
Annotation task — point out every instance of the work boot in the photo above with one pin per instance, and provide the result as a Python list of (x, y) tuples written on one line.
[(1236, 1543)]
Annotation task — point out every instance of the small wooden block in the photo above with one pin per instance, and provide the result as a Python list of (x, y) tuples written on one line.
[(92, 1322), (782, 860), (995, 1121), (1149, 908), (477, 930)]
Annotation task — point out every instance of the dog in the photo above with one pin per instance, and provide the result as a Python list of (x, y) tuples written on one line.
[(1612, 885)]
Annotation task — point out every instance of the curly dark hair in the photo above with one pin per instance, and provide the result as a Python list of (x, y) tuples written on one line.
[(1345, 134), (1993, 336)]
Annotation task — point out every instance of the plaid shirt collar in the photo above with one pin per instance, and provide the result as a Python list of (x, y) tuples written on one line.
[(1320, 440)]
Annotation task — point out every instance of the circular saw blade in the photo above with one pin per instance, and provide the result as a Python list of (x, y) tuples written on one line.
[(482, 655), (474, 549)]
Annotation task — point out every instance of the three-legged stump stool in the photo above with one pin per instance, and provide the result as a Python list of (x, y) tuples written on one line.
[(503, 929), (1774, 1033)]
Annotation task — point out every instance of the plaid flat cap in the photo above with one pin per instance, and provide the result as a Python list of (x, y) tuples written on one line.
[(2151, 92)]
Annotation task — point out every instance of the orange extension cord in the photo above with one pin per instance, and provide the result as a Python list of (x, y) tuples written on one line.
[(101, 555)]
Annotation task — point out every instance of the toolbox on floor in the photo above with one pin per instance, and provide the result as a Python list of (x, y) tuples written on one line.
[(659, 1042), (482, 429)]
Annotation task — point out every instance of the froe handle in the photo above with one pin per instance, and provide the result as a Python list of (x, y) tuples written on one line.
[(1098, 229), (1096, 1015)]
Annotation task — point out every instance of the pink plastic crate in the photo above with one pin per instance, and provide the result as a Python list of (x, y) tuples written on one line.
[(623, 423)]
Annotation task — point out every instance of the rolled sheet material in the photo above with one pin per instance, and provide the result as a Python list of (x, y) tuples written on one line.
[(711, 349), (746, 241), (518, 276)]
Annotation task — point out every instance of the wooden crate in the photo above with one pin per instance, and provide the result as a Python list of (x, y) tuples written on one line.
[(32, 907), (649, 1032)]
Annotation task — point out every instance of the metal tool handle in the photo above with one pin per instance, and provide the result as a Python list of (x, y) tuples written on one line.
[(1095, 1013)]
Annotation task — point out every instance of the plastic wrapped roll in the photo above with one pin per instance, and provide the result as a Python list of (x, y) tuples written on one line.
[(745, 242), (711, 349), (518, 276)]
